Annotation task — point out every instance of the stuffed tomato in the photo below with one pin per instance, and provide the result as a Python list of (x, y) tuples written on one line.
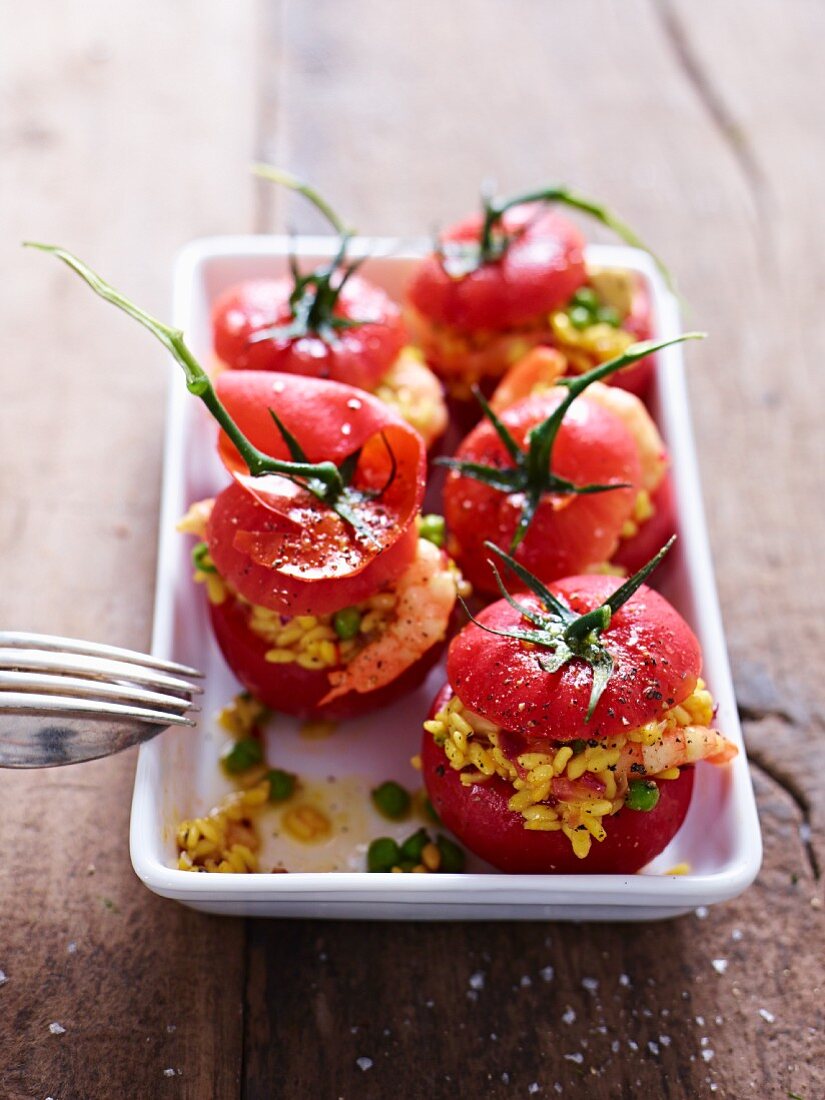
[(315, 616), (514, 276), (562, 477), (566, 738), (328, 323)]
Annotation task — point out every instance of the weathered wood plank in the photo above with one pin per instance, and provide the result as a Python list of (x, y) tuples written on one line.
[(628, 105), (125, 132)]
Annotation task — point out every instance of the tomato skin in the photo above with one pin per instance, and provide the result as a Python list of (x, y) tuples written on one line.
[(568, 534), (361, 357), (479, 817), (291, 689), (657, 661), (280, 547), (634, 552), (638, 379), (538, 272)]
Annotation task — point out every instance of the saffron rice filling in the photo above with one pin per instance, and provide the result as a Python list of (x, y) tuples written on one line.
[(576, 786)]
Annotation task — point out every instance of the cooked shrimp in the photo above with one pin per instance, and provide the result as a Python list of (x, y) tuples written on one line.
[(638, 421), (675, 747), (411, 388), (425, 597), (537, 372)]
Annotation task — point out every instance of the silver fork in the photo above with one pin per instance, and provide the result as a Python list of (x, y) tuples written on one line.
[(63, 701)]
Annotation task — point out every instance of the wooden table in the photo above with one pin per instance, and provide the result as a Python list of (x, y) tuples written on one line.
[(125, 131)]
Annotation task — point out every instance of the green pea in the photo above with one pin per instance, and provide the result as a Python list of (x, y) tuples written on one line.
[(383, 854), (391, 800), (281, 785), (201, 559), (347, 622), (243, 755), (580, 317), (452, 857), (587, 297), (642, 794), (607, 315), (414, 845), (433, 529)]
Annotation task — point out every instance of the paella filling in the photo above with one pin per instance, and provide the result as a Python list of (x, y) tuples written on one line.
[(411, 388), (643, 510), (576, 786), (590, 329)]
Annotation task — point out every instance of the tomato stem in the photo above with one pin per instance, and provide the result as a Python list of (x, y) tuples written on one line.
[(492, 245), (323, 479)]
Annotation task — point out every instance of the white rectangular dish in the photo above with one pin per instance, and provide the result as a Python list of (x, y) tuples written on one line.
[(178, 774)]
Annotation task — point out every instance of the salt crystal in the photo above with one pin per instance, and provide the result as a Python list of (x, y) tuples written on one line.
[(708, 1054), (472, 995), (704, 1041), (615, 1046), (557, 1087), (632, 1044), (718, 1020), (624, 980), (719, 965), (477, 980), (547, 973), (525, 981), (664, 1040), (364, 1063), (72, 948), (169, 1072), (736, 935), (171, 1029), (700, 1020), (534, 1088), (429, 1004), (3, 978), (577, 1058), (702, 912), (57, 1029), (653, 1047), (767, 1016), (505, 1077), (590, 984), (569, 1016)]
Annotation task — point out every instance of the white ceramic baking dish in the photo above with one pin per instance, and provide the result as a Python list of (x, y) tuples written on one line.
[(178, 773)]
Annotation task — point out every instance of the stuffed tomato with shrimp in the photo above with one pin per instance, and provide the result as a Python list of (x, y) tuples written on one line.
[(560, 477), (566, 737), (319, 613), (328, 322), (323, 598), (514, 276)]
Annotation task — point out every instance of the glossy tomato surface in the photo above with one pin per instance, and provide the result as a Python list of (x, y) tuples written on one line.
[(539, 271), (277, 544), (480, 818), (569, 533), (360, 356), (656, 663), (291, 689)]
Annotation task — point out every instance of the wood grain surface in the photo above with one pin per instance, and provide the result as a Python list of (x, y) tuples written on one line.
[(126, 130)]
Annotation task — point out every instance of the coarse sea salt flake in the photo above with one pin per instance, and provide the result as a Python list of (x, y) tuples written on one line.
[(169, 1072), (702, 912), (547, 973), (719, 965), (533, 1088), (57, 1029), (708, 1054), (577, 1058), (590, 984), (477, 980), (624, 979), (569, 1016), (767, 1016), (3, 978), (364, 1063)]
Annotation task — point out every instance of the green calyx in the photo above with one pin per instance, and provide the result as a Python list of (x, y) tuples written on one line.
[(557, 631), (315, 294), (325, 481), (460, 258), (530, 474)]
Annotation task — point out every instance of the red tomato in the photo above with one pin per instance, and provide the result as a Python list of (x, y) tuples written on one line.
[(276, 543), (288, 687), (480, 818), (539, 271), (361, 356), (652, 534), (570, 532), (656, 663)]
